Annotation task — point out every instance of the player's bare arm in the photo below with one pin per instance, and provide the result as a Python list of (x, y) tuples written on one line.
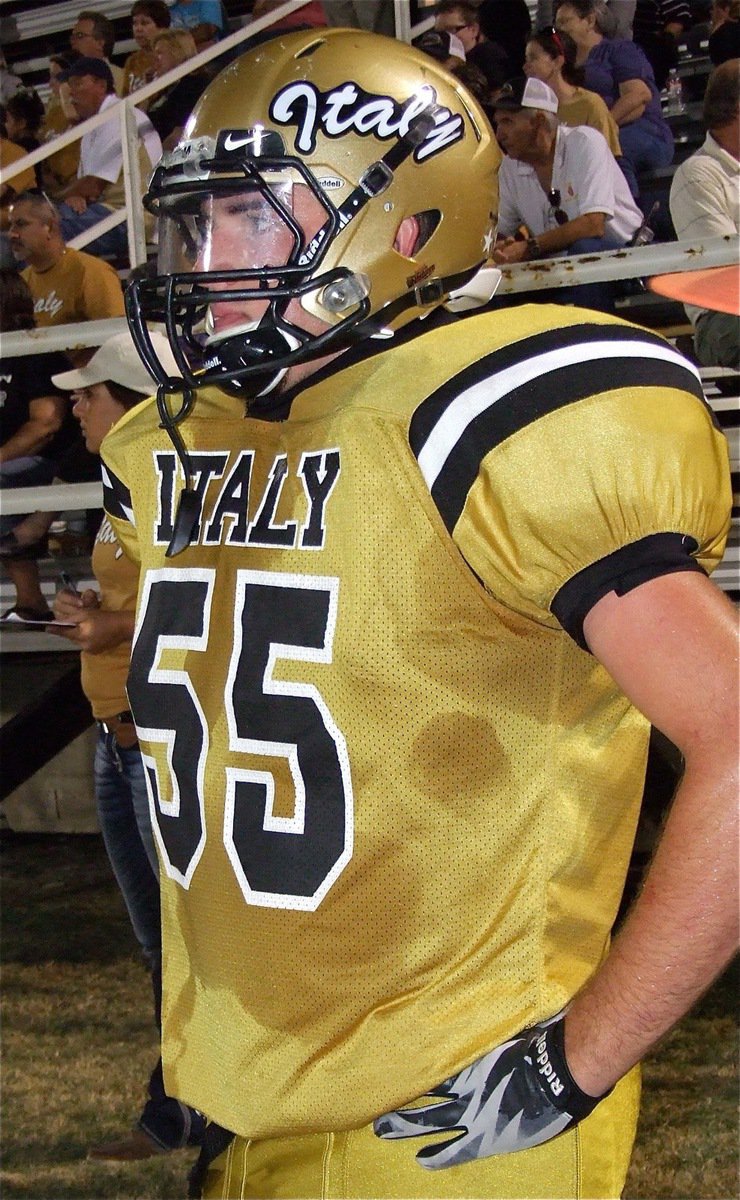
[(672, 646)]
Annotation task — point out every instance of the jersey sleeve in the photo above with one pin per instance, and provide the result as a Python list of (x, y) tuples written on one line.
[(117, 501), (575, 461)]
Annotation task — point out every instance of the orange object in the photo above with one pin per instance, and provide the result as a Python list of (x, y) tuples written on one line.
[(716, 288)]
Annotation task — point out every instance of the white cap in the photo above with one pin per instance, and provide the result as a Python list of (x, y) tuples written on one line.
[(526, 93), (118, 360)]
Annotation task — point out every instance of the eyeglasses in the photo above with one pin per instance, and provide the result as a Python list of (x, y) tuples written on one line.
[(553, 199), (77, 35)]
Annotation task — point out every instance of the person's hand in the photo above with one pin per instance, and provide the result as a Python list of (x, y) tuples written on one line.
[(509, 251), (95, 630), (77, 203), (70, 606), (519, 1095)]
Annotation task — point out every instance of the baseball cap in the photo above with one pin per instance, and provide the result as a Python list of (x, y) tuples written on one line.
[(440, 44), (526, 93), (89, 66), (118, 360)]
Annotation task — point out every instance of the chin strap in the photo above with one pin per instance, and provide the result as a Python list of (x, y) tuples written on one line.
[(188, 508)]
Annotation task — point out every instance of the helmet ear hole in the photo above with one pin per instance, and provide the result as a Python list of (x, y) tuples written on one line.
[(427, 222)]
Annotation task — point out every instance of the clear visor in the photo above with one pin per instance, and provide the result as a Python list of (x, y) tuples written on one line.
[(228, 230)]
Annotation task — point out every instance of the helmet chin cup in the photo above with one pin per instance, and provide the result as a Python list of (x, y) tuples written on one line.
[(255, 345)]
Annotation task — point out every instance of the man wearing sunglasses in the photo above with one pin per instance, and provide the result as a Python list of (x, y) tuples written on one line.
[(563, 184)]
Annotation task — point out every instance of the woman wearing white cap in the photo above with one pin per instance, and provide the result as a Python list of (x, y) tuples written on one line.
[(102, 625)]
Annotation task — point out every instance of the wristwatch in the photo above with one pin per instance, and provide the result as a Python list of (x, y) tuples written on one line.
[(533, 249)]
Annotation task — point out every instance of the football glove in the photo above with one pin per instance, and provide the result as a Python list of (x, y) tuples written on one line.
[(514, 1097)]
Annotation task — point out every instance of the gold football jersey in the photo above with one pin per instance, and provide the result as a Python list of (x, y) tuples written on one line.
[(394, 799)]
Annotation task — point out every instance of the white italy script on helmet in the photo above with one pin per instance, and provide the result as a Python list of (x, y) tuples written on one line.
[(349, 108)]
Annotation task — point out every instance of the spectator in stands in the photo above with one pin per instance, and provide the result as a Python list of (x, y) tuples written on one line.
[(67, 285), (148, 18), (205, 19), (551, 57), (59, 169), (10, 83), (35, 428), (459, 19), (724, 40), (443, 47), (169, 110), (24, 115), (623, 77), (561, 182), (705, 203), (103, 625), (10, 155), (657, 28), (94, 36), (99, 187)]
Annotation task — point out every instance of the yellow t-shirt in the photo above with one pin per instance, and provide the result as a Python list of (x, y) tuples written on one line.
[(58, 169), (395, 799), (104, 675), (137, 71), (588, 108), (10, 154), (80, 287)]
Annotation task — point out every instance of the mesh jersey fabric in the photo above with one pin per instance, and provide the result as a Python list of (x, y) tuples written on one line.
[(396, 801)]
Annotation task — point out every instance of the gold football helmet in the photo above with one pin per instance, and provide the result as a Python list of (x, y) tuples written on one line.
[(279, 210)]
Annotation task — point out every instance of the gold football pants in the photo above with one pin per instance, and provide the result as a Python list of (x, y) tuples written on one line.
[(589, 1162)]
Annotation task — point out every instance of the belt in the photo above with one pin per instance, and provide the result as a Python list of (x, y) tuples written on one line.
[(122, 727)]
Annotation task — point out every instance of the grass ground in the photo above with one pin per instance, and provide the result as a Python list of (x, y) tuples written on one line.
[(78, 1045)]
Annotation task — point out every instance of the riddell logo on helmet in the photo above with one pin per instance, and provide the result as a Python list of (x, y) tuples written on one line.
[(420, 276), (349, 109)]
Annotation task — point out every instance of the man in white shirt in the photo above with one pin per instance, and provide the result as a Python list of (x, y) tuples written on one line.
[(98, 189), (705, 203), (561, 183)]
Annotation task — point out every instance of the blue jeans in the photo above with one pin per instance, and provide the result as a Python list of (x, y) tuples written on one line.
[(644, 147), (125, 823), (113, 244)]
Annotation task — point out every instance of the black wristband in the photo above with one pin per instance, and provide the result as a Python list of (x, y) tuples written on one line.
[(548, 1058), (533, 248)]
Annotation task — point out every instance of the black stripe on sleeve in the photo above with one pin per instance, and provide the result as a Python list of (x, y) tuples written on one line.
[(526, 404), (650, 557), (515, 405), (116, 496), (431, 409)]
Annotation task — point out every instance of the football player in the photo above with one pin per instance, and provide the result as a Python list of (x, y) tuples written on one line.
[(413, 588)]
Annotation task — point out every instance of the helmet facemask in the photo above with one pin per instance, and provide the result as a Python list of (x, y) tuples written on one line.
[(235, 252)]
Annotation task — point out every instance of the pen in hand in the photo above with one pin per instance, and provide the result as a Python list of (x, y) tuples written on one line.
[(68, 583)]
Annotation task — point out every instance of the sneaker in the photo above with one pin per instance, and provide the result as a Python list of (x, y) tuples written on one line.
[(21, 614), (136, 1146)]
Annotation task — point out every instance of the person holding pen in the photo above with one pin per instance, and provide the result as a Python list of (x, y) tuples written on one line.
[(101, 623)]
